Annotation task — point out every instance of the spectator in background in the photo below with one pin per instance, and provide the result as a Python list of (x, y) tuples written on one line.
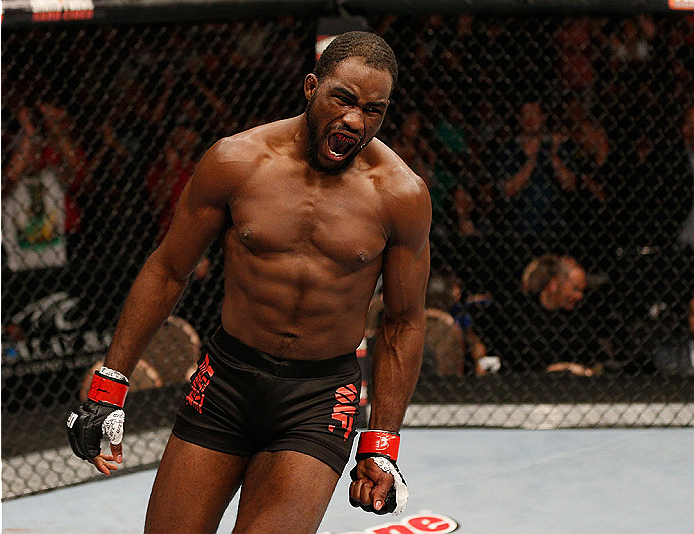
[(451, 343), (452, 151), (41, 186), (558, 281), (686, 235), (55, 233), (444, 346), (136, 113), (117, 226), (650, 194), (577, 42), (463, 206), (633, 42), (547, 326), (466, 231), (677, 357), (538, 179), (170, 173), (588, 149), (590, 144), (650, 198), (411, 145), (168, 176)]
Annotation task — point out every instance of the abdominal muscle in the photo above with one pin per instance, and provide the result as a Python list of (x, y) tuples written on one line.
[(296, 306)]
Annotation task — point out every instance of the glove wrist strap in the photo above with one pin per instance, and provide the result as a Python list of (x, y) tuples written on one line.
[(379, 443), (107, 389)]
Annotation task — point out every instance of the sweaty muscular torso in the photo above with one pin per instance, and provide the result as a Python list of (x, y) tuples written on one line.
[(302, 258)]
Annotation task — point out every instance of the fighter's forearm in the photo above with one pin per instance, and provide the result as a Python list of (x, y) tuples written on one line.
[(397, 361), (152, 298)]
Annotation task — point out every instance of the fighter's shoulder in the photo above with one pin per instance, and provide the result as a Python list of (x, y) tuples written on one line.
[(405, 197), (397, 179), (241, 148), (238, 156)]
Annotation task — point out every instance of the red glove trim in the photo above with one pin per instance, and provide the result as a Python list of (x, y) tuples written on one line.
[(379, 442), (107, 389)]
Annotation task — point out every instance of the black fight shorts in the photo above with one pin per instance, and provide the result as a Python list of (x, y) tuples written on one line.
[(243, 401)]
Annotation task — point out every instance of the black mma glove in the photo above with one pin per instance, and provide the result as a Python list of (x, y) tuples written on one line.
[(382, 446), (101, 414)]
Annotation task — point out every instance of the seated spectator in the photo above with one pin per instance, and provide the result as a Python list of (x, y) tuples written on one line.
[(451, 343), (548, 327), (557, 281), (677, 357), (444, 345)]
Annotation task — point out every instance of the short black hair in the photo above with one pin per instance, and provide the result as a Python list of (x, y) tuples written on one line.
[(367, 45)]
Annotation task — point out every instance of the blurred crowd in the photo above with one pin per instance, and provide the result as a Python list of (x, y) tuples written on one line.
[(566, 151), (559, 154)]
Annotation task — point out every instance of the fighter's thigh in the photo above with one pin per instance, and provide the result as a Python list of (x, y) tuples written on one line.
[(282, 492), (192, 489)]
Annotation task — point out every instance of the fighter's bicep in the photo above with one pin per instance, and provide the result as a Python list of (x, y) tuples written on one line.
[(406, 259), (405, 275)]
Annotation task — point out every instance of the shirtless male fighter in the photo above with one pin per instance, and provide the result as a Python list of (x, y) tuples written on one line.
[(312, 210)]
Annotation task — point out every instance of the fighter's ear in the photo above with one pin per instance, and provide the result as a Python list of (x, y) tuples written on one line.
[(310, 85)]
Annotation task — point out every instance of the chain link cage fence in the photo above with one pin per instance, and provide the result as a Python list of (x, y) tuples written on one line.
[(558, 149)]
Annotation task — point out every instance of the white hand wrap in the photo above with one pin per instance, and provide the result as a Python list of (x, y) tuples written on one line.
[(401, 491), (112, 427)]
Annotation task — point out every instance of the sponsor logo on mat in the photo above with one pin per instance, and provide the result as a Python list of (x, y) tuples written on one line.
[(423, 522)]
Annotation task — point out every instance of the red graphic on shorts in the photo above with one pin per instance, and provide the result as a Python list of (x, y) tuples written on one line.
[(344, 411), (197, 388)]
